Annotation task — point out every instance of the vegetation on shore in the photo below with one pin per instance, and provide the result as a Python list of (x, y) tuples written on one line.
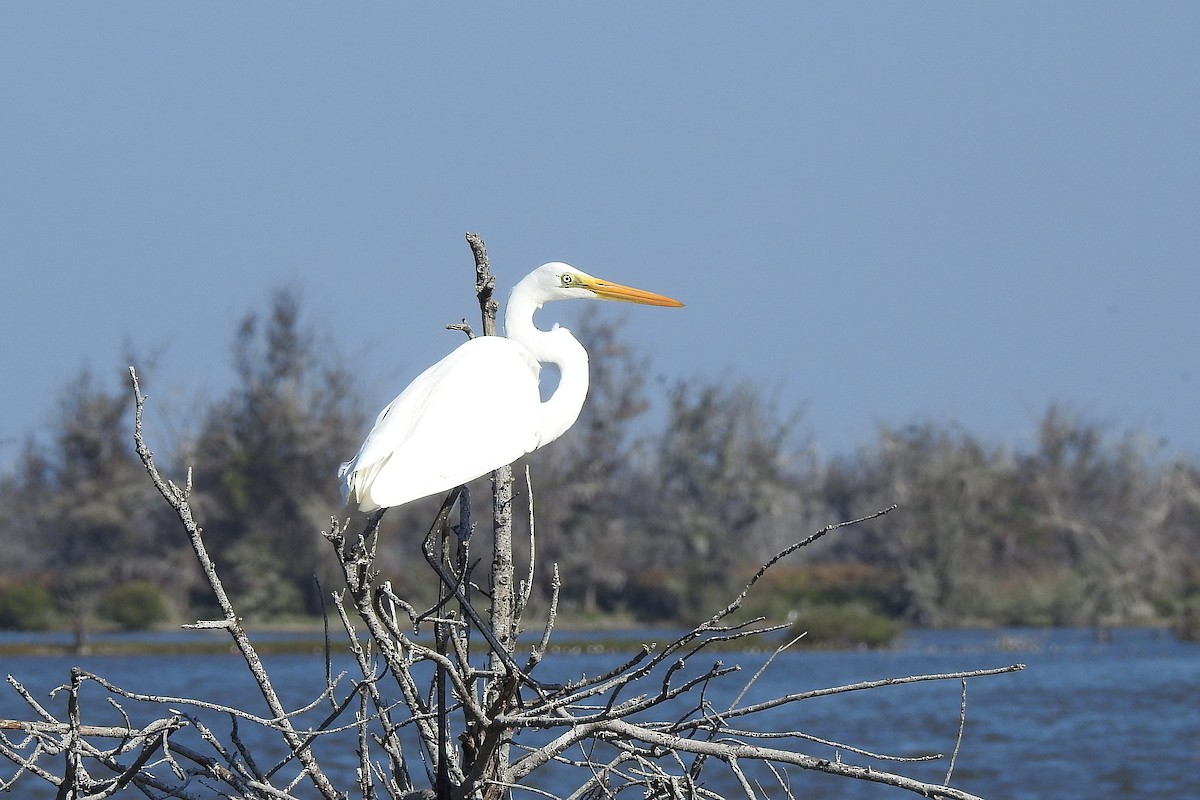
[(649, 524)]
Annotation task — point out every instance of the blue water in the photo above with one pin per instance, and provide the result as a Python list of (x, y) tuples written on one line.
[(1085, 719)]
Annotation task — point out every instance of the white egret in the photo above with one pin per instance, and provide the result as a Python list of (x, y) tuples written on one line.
[(480, 407)]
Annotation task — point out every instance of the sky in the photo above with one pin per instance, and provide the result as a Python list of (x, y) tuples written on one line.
[(879, 213)]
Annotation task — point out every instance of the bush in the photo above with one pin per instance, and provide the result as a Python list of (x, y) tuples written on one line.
[(786, 588), (25, 606), (844, 627), (134, 606)]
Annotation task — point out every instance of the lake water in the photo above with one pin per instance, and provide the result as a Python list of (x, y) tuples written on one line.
[(1085, 719)]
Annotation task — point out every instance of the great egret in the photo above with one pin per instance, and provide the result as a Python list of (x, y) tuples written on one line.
[(480, 407)]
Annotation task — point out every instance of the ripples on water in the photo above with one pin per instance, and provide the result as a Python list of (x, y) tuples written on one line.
[(1086, 719)]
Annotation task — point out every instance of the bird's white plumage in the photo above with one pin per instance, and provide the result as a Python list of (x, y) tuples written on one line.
[(442, 412), (480, 407)]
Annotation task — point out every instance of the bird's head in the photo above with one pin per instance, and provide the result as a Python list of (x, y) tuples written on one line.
[(558, 281)]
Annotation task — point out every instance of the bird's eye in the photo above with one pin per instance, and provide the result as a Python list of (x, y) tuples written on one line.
[(567, 280)]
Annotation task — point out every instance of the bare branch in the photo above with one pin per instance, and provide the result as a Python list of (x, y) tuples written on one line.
[(178, 500), (962, 723), (865, 685)]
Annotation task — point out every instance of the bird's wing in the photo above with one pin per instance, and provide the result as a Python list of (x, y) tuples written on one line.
[(472, 412)]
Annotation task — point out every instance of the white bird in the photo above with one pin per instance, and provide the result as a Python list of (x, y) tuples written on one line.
[(480, 407)]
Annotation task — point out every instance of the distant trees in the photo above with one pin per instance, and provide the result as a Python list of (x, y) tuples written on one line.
[(1182, 543), (1081, 530), (651, 509), (266, 457), (950, 491), (76, 511), (76, 515), (729, 475)]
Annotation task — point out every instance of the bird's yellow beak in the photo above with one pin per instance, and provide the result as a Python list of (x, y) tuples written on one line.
[(607, 290)]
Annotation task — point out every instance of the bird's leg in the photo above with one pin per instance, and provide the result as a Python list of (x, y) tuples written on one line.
[(441, 633), (463, 567), (437, 559), (455, 584), (463, 531)]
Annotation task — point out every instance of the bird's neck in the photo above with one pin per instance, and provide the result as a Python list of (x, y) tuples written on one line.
[(518, 316), (557, 347)]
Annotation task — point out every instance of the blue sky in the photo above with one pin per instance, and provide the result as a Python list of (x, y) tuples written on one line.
[(880, 212)]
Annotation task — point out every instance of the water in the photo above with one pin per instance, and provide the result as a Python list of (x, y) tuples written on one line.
[(1085, 719)]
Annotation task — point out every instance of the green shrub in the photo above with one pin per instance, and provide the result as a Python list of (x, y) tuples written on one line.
[(25, 606), (134, 606), (835, 584), (844, 626), (786, 588)]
